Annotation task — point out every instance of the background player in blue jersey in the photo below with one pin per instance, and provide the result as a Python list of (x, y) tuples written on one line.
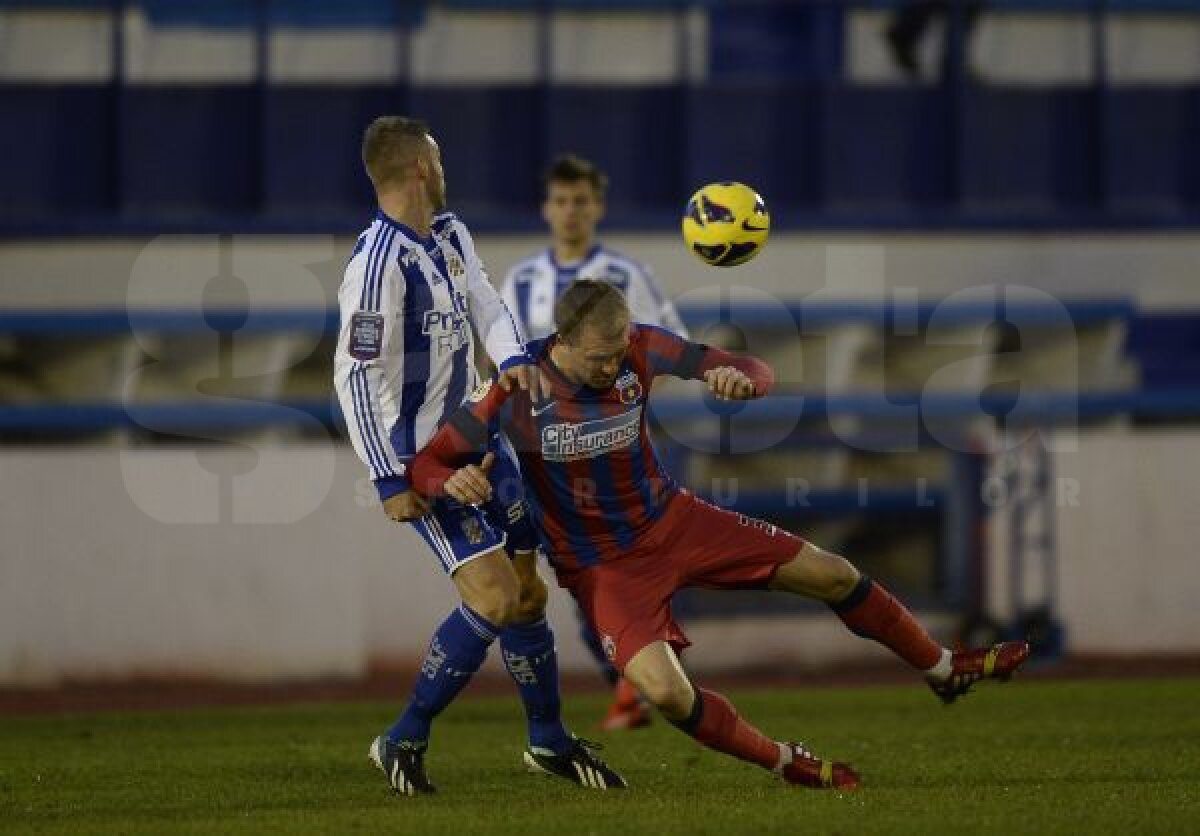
[(573, 205), (623, 536), (413, 289)]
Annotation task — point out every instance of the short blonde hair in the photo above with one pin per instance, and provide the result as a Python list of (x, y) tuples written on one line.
[(590, 303), (390, 145)]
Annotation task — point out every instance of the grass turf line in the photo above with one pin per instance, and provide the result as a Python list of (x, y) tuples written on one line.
[(1094, 757)]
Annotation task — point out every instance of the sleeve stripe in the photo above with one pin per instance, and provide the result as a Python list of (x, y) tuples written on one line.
[(474, 431), (372, 291), (381, 269), (381, 443), (690, 360), (372, 462), (513, 322), (364, 298), (367, 427), (361, 418)]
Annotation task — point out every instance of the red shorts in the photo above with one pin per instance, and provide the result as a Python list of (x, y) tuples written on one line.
[(694, 543)]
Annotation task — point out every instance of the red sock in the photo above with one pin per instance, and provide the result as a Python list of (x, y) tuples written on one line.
[(872, 613), (715, 723)]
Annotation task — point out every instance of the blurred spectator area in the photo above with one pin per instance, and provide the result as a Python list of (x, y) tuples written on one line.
[(247, 115)]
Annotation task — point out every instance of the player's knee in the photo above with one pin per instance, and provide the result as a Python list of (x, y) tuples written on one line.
[(531, 603), (840, 577), (819, 574), (669, 692), (498, 602)]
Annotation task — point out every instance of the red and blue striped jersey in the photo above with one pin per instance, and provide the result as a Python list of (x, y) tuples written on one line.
[(592, 477)]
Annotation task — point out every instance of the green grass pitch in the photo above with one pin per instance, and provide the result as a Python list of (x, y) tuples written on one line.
[(1028, 757)]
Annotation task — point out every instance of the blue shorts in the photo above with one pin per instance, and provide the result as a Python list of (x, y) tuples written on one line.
[(460, 533)]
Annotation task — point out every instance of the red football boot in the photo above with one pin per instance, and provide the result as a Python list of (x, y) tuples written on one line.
[(627, 710), (808, 771), (996, 662)]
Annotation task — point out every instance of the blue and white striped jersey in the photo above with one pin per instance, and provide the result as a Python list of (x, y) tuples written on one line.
[(405, 357), (533, 285)]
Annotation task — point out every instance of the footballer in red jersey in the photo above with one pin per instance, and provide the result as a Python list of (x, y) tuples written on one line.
[(623, 536)]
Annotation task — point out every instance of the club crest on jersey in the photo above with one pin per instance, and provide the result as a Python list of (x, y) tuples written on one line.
[(454, 265), (610, 647), (472, 530), (366, 336), (629, 387)]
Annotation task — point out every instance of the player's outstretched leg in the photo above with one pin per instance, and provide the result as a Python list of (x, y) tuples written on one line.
[(713, 721), (870, 611)]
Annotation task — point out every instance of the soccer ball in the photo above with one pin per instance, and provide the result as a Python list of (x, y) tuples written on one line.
[(726, 224)]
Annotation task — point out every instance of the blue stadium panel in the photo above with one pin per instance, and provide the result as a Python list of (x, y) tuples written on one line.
[(764, 135), (775, 41), (491, 144), (1029, 149), (1167, 349), (58, 141), (189, 149), (1151, 161), (637, 134), (292, 13), (314, 137), (885, 147)]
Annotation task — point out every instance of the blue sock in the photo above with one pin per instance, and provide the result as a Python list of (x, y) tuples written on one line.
[(456, 651), (532, 662)]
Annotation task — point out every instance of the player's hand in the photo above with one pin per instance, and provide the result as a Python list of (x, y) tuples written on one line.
[(470, 485), (407, 506), (526, 376), (729, 384)]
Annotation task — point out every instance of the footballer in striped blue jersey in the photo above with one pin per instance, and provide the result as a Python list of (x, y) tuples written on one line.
[(413, 290), (573, 206)]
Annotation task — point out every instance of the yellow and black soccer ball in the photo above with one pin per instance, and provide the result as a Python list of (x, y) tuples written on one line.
[(726, 224)]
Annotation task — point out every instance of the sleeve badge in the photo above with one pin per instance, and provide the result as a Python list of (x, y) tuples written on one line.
[(366, 336)]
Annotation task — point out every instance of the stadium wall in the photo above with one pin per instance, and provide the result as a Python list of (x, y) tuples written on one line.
[(1156, 269), (276, 564)]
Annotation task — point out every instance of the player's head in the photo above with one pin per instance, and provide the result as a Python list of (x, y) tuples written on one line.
[(574, 199), (592, 318), (398, 152)]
